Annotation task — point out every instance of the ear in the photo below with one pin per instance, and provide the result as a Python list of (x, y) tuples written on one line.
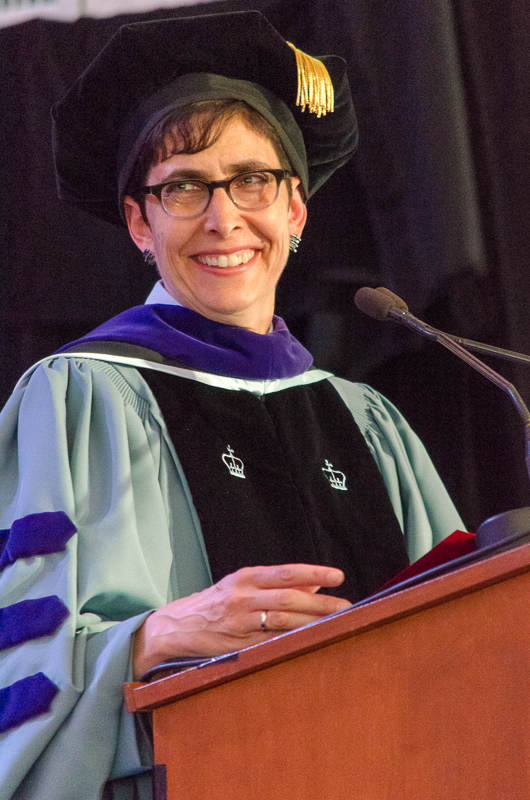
[(138, 227), (297, 209)]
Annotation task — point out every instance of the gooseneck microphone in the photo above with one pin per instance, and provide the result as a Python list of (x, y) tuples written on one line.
[(384, 305)]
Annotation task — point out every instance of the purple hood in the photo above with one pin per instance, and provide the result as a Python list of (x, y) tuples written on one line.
[(201, 344)]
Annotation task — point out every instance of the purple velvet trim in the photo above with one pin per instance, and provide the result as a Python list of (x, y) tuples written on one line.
[(25, 700), (30, 619), (204, 345), (37, 535), (4, 535)]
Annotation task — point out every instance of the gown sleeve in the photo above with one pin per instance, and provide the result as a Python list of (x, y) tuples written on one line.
[(420, 500), (88, 495)]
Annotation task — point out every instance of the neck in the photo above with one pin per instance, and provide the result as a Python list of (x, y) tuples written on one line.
[(256, 320)]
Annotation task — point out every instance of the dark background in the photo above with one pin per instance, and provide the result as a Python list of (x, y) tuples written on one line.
[(435, 206)]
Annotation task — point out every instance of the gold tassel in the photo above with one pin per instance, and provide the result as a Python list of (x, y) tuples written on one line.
[(315, 89)]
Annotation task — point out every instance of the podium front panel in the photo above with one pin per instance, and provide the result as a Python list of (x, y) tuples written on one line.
[(432, 705)]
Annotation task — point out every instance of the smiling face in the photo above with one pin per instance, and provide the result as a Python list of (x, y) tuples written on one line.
[(226, 263)]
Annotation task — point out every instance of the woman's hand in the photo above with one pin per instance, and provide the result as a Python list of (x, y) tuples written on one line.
[(228, 615)]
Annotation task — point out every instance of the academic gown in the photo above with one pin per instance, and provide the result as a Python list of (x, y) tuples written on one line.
[(99, 528)]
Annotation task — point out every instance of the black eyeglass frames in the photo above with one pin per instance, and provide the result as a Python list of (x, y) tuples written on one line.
[(187, 198)]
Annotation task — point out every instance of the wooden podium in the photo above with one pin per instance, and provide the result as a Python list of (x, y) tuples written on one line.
[(422, 695)]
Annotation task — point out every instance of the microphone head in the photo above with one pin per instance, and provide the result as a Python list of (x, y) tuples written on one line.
[(378, 302)]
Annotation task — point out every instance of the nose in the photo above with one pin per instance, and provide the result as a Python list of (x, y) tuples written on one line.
[(222, 216)]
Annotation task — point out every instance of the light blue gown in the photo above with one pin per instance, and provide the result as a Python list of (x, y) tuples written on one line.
[(85, 437)]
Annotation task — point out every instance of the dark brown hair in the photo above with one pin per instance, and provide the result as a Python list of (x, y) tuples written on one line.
[(193, 128)]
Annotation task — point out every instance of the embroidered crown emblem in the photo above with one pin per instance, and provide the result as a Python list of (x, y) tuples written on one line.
[(337, 479), (235, 465)]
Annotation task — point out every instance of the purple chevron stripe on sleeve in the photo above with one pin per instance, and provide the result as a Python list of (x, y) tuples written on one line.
[(30, 619), (3, 540), (37, 535), (25, 700)]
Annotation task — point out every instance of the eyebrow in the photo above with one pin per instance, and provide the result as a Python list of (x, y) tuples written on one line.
[(251, 165)]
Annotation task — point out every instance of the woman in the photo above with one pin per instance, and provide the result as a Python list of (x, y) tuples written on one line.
[(180, 482)]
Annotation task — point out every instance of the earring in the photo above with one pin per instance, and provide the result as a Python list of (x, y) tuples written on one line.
[(294, 241), (149, 258)]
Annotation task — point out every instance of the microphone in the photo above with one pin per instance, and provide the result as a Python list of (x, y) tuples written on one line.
[(383, 304)]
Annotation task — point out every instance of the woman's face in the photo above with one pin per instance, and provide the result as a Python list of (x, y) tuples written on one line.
[(256, 243)]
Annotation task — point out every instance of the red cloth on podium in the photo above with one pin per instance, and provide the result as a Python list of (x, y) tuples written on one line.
[(457, 544)]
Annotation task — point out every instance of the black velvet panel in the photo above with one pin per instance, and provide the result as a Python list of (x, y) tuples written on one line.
[(284, 509)]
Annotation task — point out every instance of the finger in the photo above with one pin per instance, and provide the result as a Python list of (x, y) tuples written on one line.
[(310, 576), (284, 621), (297, 601)]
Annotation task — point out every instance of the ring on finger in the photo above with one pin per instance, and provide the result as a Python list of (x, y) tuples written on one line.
[(263, 623)]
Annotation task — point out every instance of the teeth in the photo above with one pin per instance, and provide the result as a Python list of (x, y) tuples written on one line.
[(232, 260)]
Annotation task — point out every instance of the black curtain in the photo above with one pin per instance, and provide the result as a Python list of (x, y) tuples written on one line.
[(433, 206)]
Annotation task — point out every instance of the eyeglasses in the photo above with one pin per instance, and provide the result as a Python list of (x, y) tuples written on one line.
[(248, 191)]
